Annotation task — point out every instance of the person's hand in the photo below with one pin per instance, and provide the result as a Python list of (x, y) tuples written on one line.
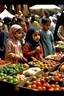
[(34, 59), (37, 49), (24, 59)]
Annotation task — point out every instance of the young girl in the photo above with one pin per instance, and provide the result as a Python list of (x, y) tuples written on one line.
[(32, 49), (13, 46)]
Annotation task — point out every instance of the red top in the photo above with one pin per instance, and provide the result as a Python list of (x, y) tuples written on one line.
[(27, 51)]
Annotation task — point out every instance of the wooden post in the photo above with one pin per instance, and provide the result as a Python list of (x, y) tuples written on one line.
[(1, 8), (18, 8)]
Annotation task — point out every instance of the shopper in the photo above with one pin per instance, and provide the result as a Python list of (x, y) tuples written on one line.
[(35, 21), (7, 24), (46, 38), (32, 49), (60, 22), (3, 38), (13, 46)]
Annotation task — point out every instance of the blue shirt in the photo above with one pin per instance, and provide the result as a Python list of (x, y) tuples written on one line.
[(47, 41)]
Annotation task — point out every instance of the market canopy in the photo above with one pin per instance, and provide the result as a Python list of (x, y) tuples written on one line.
[(47, 7), (5, 13)]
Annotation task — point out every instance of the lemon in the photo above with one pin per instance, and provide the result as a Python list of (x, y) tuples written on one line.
[(26, 65)]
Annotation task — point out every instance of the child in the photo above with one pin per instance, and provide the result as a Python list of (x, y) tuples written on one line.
[(32, 49), (13, 46), (47, 39)]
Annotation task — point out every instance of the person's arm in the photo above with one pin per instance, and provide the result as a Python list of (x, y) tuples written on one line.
[(4, 40), (33, 59), (26, 50), (52, 42), (9, 52)]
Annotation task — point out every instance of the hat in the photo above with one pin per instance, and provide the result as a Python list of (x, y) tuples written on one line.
[(54, 18)]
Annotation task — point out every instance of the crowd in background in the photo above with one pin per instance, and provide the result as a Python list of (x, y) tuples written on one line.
[(26, 38)]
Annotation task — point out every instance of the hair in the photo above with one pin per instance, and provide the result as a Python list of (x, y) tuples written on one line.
[(45, 20), (7, 20), (19, 20), (32, 18)]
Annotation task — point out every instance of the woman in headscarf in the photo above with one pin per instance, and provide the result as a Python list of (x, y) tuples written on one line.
[(32, 49), (35, 22), (13, 46)]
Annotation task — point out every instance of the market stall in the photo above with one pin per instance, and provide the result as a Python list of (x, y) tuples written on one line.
[(33, 77), (5, 13), (41, 8)]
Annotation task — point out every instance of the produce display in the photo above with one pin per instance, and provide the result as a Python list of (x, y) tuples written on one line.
[(2, 75), (14, 78), (31, 71), (60, 46), (56, 56), (3, 62), (12, 68), (51, 82), (50, 64), (37, 64)]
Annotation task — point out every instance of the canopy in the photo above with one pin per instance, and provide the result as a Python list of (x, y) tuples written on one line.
[(5, 13), (48, 7)]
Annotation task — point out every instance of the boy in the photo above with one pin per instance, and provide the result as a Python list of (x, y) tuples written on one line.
[(46, 37)]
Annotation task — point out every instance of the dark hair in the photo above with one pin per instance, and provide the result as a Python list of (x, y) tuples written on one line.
[(19, 20), (45, 20), (7, 20), (32, 18)]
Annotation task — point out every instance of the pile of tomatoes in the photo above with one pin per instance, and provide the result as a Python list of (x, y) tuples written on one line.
[(2, 62), (42, 85)]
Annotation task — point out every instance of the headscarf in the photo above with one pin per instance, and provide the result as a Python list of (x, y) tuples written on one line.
[(29, 39), (36, 17), (13, 30)]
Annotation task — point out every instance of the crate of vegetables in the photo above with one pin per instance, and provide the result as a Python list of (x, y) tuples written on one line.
[(60, 47), (10, 82), (37, 64), (13, 68), (52, 65), (56, 56), (50, 82), (3, 63)]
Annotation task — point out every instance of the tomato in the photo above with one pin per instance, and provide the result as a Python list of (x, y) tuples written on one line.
[(39, 88), (44, 84), (56, 78), (33, 86), (29, 86), (62, 88), (2, 62), (44, 88), (48, 86), (59, 75), (55, 74), (34, 82), (53, 85), (51, 89), (42, 81), (62, 76), (38, 83), (57, 89), (57, 86)]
